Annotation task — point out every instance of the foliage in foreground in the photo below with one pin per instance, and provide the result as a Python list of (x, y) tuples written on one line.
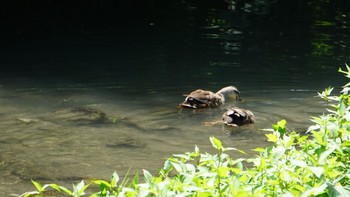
[(315, 164)]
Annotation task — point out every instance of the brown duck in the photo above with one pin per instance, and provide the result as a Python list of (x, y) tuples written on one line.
[(204, 98), (235, 117), (238, 117)]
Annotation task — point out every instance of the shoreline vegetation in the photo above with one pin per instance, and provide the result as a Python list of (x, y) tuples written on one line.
[(315, 163)]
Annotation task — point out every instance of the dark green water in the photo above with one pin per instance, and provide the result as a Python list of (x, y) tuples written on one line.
[(137, 75)]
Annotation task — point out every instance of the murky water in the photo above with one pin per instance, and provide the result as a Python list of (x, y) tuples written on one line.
[(137, 82)]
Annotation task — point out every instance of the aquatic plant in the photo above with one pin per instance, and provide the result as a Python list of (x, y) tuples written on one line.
[(315, 163)]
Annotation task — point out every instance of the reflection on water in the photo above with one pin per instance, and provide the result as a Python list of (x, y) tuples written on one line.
[(137, 83)]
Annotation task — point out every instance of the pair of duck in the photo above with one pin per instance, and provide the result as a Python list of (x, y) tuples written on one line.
[(205, 99)]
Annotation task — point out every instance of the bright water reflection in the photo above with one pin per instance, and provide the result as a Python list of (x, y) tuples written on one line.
[(138, 84)]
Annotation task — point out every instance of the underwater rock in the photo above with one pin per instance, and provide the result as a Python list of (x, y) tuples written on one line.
[(125, 142), (81, 115)]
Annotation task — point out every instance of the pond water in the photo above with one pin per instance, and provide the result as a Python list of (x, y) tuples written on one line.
[(138, 76)]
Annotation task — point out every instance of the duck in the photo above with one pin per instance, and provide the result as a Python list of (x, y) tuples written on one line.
[(235, 117), (208, 99)]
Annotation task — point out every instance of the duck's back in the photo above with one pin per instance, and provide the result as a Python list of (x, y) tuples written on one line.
[(238, 116), (201, 99)]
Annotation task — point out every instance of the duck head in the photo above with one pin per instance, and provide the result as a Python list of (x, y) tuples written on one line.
[(230, 92)]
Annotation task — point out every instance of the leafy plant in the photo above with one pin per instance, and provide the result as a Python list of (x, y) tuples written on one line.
[(78, 189)]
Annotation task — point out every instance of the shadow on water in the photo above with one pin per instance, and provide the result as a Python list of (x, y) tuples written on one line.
[(80, 107)]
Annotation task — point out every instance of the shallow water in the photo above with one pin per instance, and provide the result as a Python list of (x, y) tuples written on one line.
[(143, 131), (137, 81)]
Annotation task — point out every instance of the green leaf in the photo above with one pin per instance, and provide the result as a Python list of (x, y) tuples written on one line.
[(135, 180), (302, 139), (183, 156), (55, 186), (319, 137), (104, 188), (325, 154), (272, 137), (167, 167), (282, 123), (347, 73), (262, 163), (318, 171), (216, 143), (223, 171), (230, 148), (346, 89), (104, 185), (177, 166), (67, 191), (314, 191), (278, 152), (99, 182), (338, 190), (114, 179), (148, 176), (299, 163), (196, 150), (79, 189), (38, 186), (280, 127), (260, 150), (30, 194)]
